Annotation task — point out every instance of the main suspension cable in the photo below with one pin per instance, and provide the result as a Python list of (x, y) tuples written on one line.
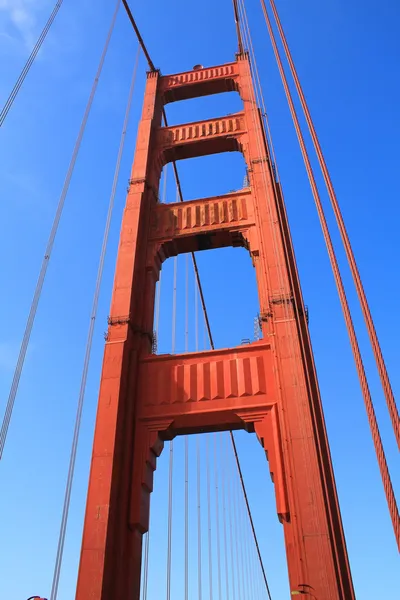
[(384, 376), (71, 469), (387, 484), (18, 84), (49, 247)]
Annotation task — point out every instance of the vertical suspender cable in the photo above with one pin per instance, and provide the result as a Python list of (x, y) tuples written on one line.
[(49, 247), (187, 305), (241, 531), (199, 517), (217, 502), (249, 514), (224, 500), (196, 314), (170, 498), (210, 571), (387, 389), (165, 179), (18, 84), (158, 303), (146, 566), (187, 442), (174, 305), (235, 528), (230, 521), (387, 483), (186, 517), (64, 520)]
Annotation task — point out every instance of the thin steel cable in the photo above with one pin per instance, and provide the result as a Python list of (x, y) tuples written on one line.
[(186, 517), (199, 573), (383, 467), (247, 553), (139, 37), (49, 247), (146, 565), (165, 179), (230, 522), (187, 441), (196, 315), (146, 561), (249, 514), (217, 523), (71, 468), (224, 499), (187, 305), (240, 535), (18, 84), (174, 305), (210, 570), (158, 303), (236, 531), (384, 376), (236, 17), (170, 499)]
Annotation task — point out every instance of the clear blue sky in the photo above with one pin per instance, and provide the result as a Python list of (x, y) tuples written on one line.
[(347, 54)]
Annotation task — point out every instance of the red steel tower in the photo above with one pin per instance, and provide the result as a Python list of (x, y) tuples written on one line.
[(268, 387)]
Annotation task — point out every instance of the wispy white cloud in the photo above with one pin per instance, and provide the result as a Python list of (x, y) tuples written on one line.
[(20, 18)]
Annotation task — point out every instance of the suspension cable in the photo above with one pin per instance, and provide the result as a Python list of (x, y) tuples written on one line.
[(230, 504), (170, 499), (187, 441), (49, 247), (234, 509), (238, 33), (210, 569), (18, 84), (224, 498), (250, 514), (387, 484), (146, 565), (186, 517), (384, 376), (217, 502), (71, 469), (198, 517), (174, 305)]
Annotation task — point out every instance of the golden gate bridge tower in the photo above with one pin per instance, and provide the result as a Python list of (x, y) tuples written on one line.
[(267, 387)]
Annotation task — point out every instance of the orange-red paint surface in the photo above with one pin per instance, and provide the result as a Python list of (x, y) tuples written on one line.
[(268, 387)]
